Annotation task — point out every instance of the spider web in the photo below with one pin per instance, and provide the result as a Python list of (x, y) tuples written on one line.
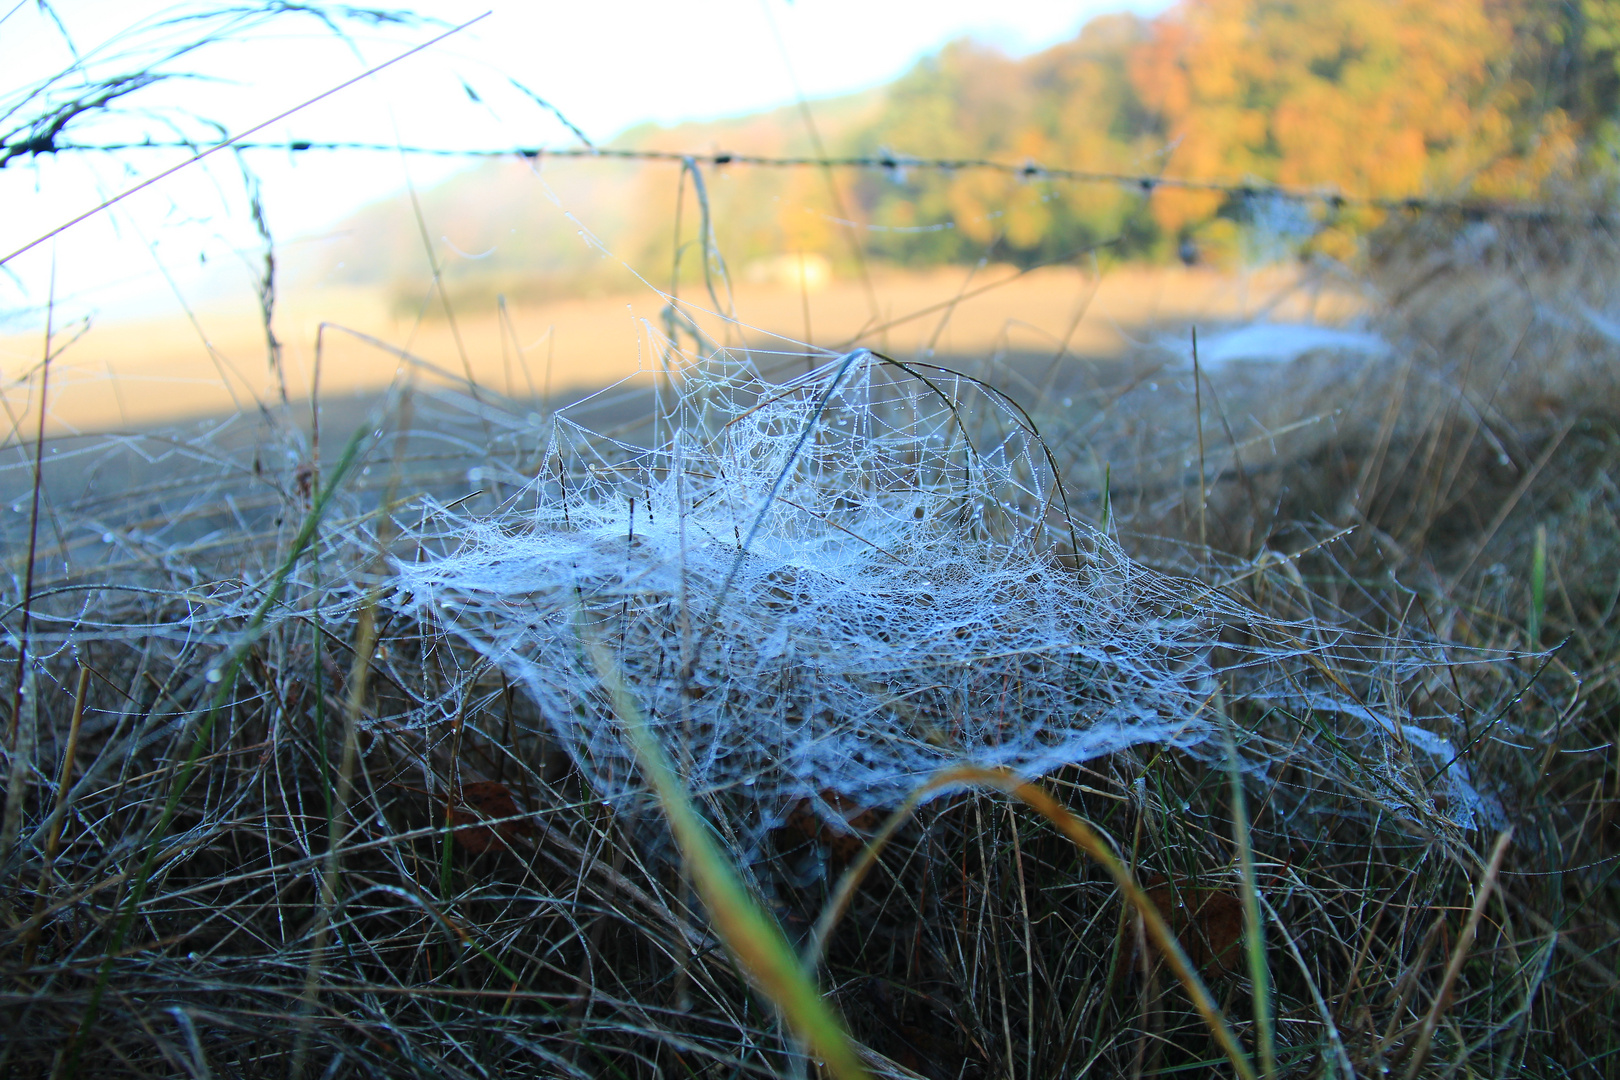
[(829, 587)]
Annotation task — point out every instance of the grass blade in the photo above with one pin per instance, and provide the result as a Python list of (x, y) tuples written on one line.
[(1442, 999), (1082, 836), (227, 680), (1254, 928), (753, 936), (1538, 589)]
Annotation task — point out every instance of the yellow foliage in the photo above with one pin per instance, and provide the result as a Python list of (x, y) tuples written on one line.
[(1372, 98), (1381, 99)]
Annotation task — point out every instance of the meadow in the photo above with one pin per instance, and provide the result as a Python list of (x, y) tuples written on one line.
[(265, 812), (1103, 668)]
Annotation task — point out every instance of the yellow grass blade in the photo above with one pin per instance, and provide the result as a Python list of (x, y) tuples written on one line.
[(1086, 839), (750, 933)]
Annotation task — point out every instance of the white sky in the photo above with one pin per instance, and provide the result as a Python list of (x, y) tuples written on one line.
[(606, 65)]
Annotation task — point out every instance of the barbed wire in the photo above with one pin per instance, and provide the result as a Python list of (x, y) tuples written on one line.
[(898, 164)]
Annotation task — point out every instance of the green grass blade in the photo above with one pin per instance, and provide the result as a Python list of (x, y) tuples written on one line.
[(227, 679), (753, 936), (1254, 929)]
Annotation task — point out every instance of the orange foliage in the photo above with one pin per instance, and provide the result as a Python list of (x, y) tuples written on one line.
[(1366, 98), (1381, 98)]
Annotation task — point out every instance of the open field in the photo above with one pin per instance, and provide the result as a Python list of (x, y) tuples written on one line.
[(342, 756), (127, 376)]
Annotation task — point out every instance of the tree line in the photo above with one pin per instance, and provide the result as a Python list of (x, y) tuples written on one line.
[(1493, 99)]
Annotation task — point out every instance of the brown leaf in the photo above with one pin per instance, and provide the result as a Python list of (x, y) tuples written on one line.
[(1207, 922), (487, 800)]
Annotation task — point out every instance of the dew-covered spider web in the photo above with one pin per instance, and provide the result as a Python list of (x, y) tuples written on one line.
[(828, 587)]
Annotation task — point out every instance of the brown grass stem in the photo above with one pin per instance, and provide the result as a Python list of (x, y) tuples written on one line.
[(1459, 954), (1524, 485), (64, 777), (22, 738), (365, 647), (33, 532)]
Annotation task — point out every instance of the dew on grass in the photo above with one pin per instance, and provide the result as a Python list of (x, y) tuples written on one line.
[(769, 581)]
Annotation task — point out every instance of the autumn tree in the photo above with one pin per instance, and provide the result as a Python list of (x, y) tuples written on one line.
[(1073, 105), (1380, 98)]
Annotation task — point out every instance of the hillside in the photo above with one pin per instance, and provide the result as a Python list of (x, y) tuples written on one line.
[(1391, 99), (514, 227)]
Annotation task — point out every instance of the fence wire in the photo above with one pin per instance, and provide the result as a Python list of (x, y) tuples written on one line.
[(1328, 196)]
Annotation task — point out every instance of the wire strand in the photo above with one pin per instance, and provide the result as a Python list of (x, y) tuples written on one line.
[(1329, 196)]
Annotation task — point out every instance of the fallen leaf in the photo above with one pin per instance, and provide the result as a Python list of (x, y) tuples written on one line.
[(487, 800), (1207, 922)]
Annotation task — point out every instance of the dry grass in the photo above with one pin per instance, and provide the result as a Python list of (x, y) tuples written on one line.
[(123, 376), (331, 897)]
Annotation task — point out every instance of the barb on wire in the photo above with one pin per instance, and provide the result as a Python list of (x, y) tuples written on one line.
[(237, 141), (893, 164)]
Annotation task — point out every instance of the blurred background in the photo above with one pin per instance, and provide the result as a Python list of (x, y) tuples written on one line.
[(172, 291)]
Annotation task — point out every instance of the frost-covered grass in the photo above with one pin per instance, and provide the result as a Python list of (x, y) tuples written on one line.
[(321, 759)]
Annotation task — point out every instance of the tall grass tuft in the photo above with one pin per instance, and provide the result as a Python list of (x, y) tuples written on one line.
[(209, 874)]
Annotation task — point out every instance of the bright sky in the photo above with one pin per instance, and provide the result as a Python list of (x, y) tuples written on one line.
[(606, 66)]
